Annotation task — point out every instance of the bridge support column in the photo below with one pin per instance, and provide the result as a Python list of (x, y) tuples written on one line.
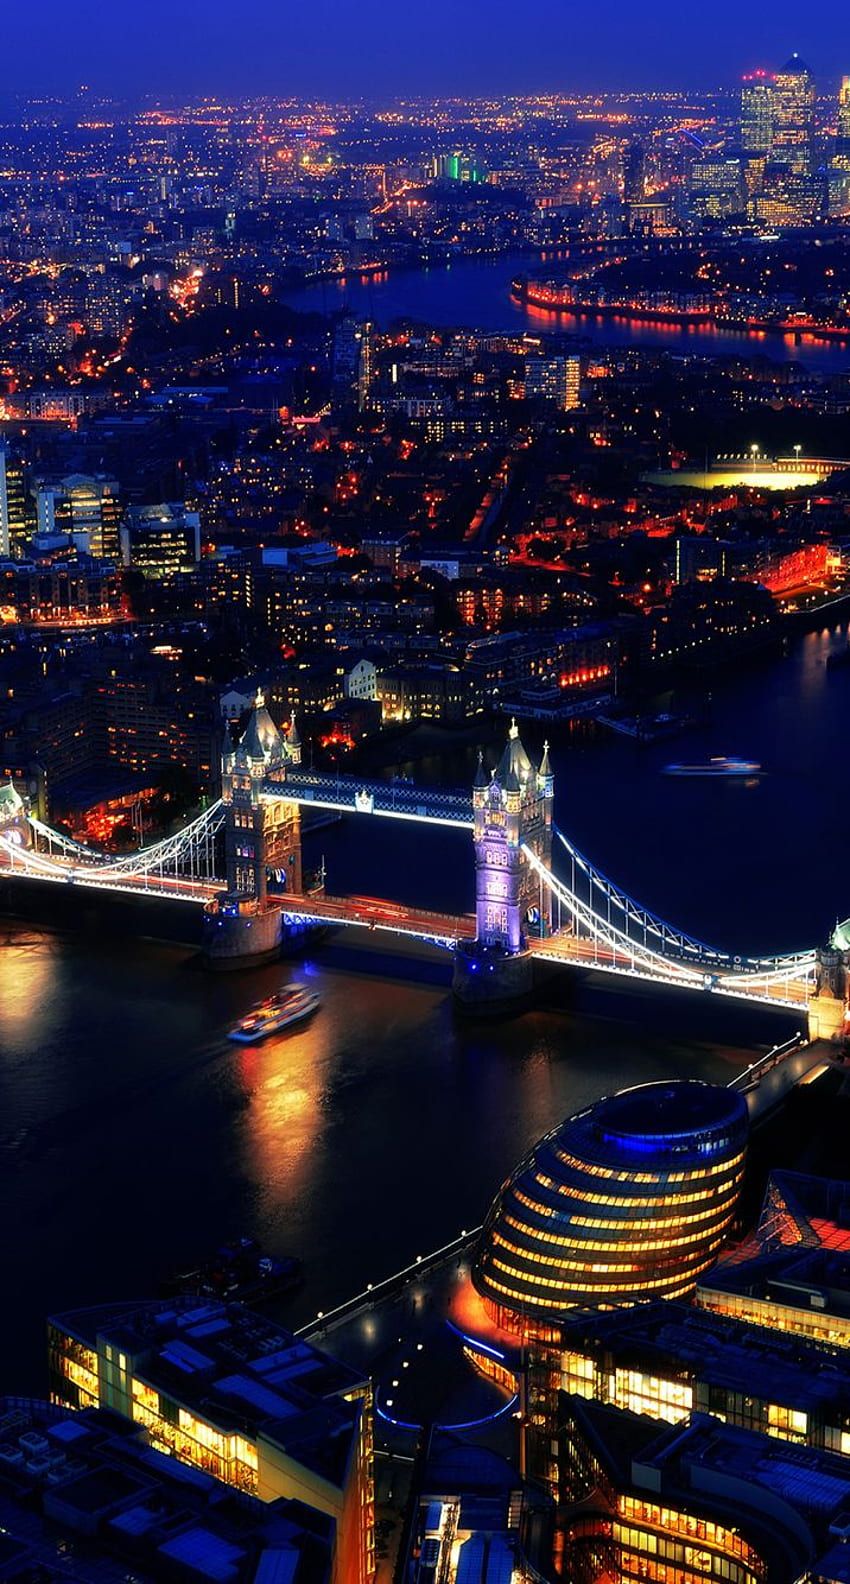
[(262, 837), (828, 1010), (512, 813)]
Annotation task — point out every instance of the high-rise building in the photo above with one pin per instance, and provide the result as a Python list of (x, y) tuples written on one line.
[(555, 379), (365, 367), (634, 173), (757, 112), (794, 98), (717, 186), (14, 530), (842, 141), (82, 504)]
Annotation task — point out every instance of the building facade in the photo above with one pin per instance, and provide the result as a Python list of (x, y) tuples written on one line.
[(628, 1201), (237, 1397)]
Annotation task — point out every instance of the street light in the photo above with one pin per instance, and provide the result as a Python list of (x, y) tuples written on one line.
[(754, 451), (797, 450)]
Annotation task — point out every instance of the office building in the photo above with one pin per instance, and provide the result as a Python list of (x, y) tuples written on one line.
[(757, 113), (234, 1395), (668, 1359), (14, 516), (161, 541), (842, 140), (717, 187), (794, 98), (696, 1501), (84, 1496), (794, 1273), (82, 505), (634, 173), (628, 1201)]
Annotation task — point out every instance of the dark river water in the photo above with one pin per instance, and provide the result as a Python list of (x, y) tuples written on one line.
[(476, 293), (134, 1137)]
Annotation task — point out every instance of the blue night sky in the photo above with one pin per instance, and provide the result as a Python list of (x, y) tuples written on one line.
[(387, 47)]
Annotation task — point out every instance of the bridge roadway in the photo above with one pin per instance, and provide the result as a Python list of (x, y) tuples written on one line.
[(444, 929)]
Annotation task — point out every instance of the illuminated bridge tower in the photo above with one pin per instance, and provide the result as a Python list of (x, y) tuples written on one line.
[(262, 837), (512, 811)]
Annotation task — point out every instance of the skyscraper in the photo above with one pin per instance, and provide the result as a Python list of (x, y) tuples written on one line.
[(757, 112), (13, 504), (365, 367), (842, 142), (555, 379), (794, 96), (634, 173)]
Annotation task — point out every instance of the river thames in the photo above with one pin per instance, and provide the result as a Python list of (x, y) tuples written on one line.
[(134, 1137), (475, 293)]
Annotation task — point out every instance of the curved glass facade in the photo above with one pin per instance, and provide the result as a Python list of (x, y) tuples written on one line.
[(627, 1201)]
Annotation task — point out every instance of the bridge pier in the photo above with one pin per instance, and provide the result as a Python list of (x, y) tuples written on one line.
[(487, 982)]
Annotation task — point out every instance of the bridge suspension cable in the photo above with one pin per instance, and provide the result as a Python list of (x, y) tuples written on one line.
[(189, 855), (600, 937), (603, 897)]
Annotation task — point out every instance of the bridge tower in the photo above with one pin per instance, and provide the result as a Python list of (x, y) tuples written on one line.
[(512, 811), (829, 1010), (262, 836)]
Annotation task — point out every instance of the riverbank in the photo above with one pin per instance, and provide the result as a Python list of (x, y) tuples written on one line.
[(475, 293)]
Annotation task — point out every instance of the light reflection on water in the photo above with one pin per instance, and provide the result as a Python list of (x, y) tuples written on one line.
[(136, 1137)]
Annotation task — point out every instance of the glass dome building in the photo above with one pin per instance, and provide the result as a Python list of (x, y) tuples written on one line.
[(628, 1201)]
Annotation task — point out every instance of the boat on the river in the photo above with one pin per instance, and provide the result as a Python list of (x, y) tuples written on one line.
[(716, 767), (290, 1006), (238, 1272)]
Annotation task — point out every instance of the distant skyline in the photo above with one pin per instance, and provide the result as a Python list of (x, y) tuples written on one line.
[(336, 49)]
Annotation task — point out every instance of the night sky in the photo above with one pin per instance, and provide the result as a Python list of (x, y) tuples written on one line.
[(390, 47)]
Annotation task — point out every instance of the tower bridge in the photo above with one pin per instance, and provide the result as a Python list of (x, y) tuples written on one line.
[(537, 898)]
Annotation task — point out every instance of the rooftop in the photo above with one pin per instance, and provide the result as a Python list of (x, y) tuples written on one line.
[(91, 1478), (674, 1338), (236, 1369)]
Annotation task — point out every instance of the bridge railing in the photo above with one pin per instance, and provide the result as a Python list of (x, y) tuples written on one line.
[(189, 854), (397, 798)]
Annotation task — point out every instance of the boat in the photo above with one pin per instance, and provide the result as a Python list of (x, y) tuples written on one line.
[(238, 1272), (290, 1006), (716, 767)]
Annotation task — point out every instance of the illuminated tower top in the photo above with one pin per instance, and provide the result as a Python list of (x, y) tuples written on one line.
[(512, 814)]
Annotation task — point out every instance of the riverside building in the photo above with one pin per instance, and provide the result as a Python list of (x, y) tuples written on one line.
[(628, 1201), (234, 1395)]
